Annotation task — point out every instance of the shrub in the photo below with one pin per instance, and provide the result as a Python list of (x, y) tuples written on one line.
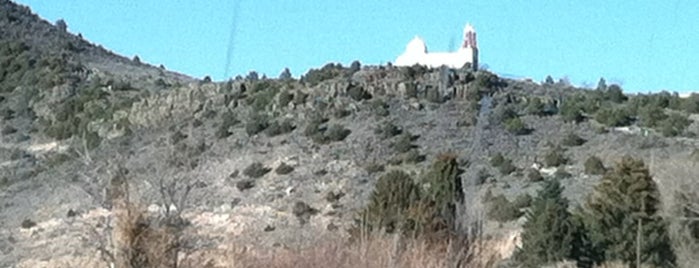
[(571, 139), (548, 234), (624, 197), (594, 166), (285, 98), (380, 108), (300, 98), (691, 104), (502, 210), (674, 125), (243, 185), (535, 107), (516, 126), (228, 120), (387, 130), (284, 169), (358, 93), (650, 116), (277, 128), (412, 156), (255, 125), (337, 133), (504, 113), (341, 113), (507, 167), (534, 175), (256, 170), (303, 211), (262, 96), (555, 157), (403, 143), (394, 194), (615, 94), (613, 117), (571, 112), (374, 168), (497, 160)]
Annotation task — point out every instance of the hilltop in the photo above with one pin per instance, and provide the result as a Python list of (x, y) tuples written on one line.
[(288, 164)]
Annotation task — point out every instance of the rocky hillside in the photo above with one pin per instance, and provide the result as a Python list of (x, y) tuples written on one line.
[(286, 163)]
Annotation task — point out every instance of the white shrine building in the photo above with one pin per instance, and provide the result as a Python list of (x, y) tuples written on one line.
[(416, 53)]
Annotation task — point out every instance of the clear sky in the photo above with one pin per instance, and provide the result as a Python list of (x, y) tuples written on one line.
[(643, 45)]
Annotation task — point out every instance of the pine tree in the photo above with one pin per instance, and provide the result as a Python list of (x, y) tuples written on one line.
[(394, 194), (445, 191), (624, 198), (548, 234)]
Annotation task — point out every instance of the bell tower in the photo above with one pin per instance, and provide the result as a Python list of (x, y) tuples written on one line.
[(471, 44)]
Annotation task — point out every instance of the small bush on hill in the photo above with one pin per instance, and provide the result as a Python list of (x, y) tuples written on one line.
[(691, 104), (507, 167), (534, 175), (284, 169), (535, 107), (502, 210), (256, 170), (300, 98), (380, 107), (403, 143), (571, 112), (497, 160), (373, 167), (594, 166), (278, 128), (674, 125), (337, 133), (555, 157), (571, 140), (387, 130), (650, 116), (516, 126), (358, 93), (285, 98), (256, 124), (228, 120), (613, 117)]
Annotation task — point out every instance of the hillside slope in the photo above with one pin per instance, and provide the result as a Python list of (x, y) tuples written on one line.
[(286, 163)]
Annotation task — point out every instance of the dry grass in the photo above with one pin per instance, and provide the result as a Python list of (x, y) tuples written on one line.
[(139, 242), (378, 251)]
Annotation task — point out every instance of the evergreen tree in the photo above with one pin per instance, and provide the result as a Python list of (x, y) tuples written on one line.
[(548, 234), (285, 75), (602, 84), (445, 191), (624, 197)]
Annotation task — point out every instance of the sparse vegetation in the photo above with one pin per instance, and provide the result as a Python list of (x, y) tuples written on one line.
[(256, 170), (502, 210), (554, 157), (571, 140), (284, 169), (594, 166)]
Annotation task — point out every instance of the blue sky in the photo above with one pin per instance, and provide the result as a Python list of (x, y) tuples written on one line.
[(642, 45)]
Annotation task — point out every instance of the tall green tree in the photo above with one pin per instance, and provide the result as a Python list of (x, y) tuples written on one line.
[(624, 199), (549, 233)]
